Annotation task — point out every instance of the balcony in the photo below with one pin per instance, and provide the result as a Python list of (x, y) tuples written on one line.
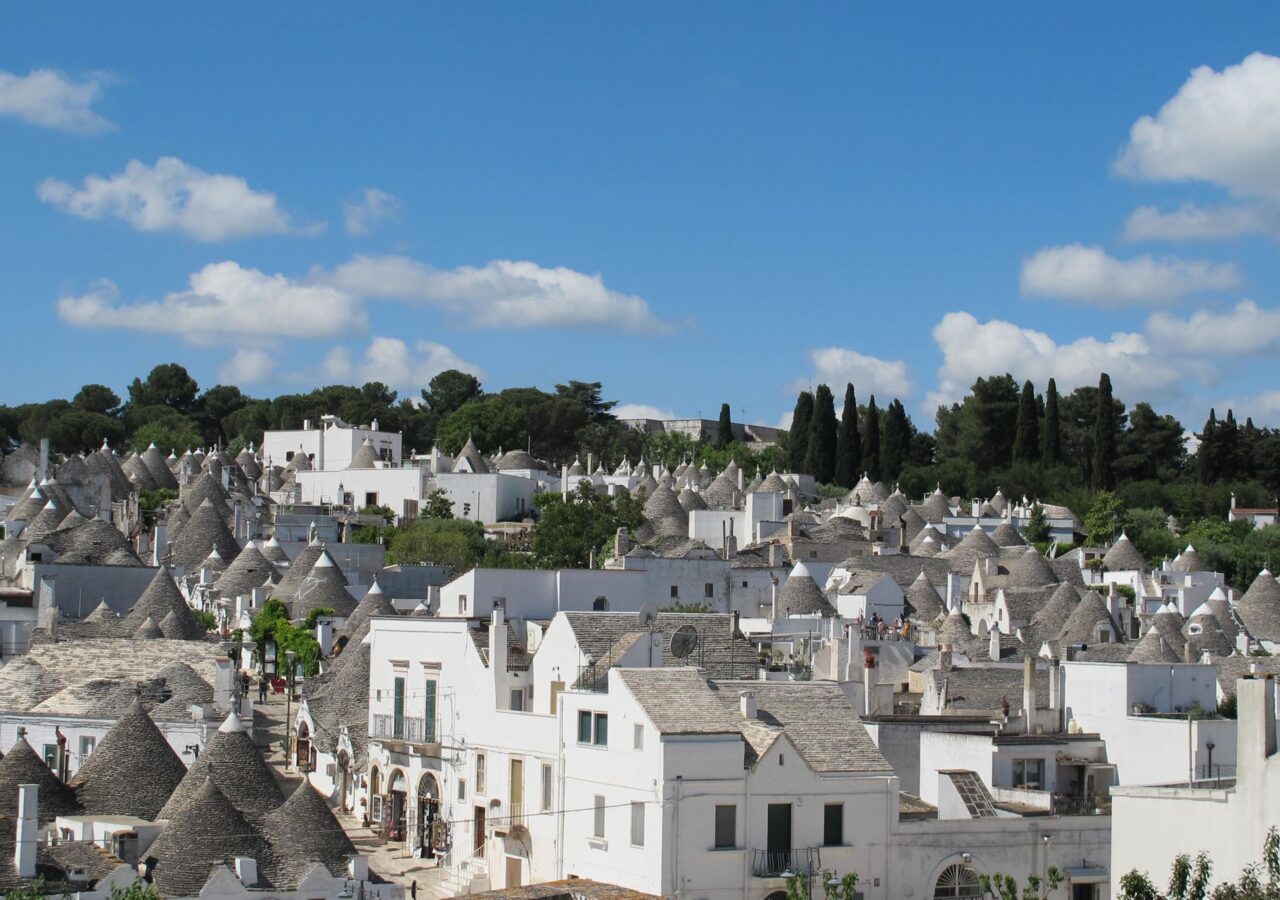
[(784, 863), (410, 729)]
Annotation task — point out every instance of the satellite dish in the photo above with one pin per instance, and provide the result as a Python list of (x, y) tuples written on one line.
[(648, 615), (684, 640)]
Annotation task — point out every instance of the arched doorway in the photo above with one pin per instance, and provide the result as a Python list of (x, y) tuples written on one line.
[(374, 815), (397, 798), (430, 835), (302, 748), (777, 895), (344, 781), (600, 604), (958, 881)]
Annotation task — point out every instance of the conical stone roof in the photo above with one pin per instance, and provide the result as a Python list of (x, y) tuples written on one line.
[(720, 493), (664, 512), (214, 562), (22, 765), (297, 573), (1224, 613), (206, 530), (1188, 561), (955, 631), (103, 462), (1124, 557), (148, 630), (1031, 570), (801, 596), (1208, 633), (249, 570), (303, 832), (1082, 625), (325, 587), (912, 524), (691, 500), (208, 832), (234, 763), (373, 603), (158, 466), (28, 507), (275, 553), (1259, 608), (1153, 648), (366, 457), (46, 522), (924, 599), (160, 601), (472, 455), (205, 487), (891, 509), (1005, 535), (936, 509), (248, 464), (973, 546), (132, 771), (1048, 621), (139, 474), (774, 484)]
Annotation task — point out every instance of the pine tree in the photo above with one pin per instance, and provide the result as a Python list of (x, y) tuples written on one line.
[(724, 433), (848, 442), (871, 441), (1106, 432), (1051, 440), (1026, 444), (895, 442), (798, 434), (821, 457)]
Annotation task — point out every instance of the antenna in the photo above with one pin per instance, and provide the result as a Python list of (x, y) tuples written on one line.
[(684, 640)]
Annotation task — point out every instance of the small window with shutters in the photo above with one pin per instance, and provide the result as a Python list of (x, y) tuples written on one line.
[(429, 710)]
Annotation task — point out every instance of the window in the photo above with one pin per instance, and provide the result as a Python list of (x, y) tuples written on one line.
[(462, 789), (957, 881), (517, 699), (429, 711), (813, 554), (548, 785), (637, 824), (708, 590), (51, 756), (744, 584), (398, 718), (833, 825), (348, 499), (593, 728), (600, 604), (598, 829), (87, 746), (637, 737), (726, 827), (462, 604), (479, 773), (675, 591), (557, 688), (782, 759), (371, 498), (1029, 774)]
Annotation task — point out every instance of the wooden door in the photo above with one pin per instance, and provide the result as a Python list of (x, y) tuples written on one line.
[(480, 832)]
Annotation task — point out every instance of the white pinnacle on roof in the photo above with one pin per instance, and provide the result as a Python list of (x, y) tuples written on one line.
[(233, 722), (325, 561), (1217, 594), (375, 589)]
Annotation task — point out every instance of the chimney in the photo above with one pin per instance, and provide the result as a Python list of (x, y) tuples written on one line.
[(498, 657), (25, 844), (747, 704), (564, 481), (359, 868), (944, 660), (1055, 692), (993, 649), (775, 555), (1029, 692), (43, 471), (224, 679), (373, 426), (869, 705), (46, 602), (1256, 729), (622, 543), (591, 463), (247, 870)]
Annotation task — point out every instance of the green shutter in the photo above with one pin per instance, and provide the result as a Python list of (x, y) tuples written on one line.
[(399, 709), (429, 713)]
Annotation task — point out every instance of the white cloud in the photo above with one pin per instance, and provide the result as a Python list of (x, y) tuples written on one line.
[(838, 366), (48, 98), (1196, 223), (390, 361), (1263, 408), (247, 366), (174, 196), (972, 349), (372, 206), (642, 411), (1244, 330), (500, 294), (1221, 127), (224, 302), (1089, 275)]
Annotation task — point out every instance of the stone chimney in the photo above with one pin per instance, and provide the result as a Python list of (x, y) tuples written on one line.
[(775, 555), (25, 844), (1029, 693), (747, 704), (1055, 692), (498, 657), (944, 660), (247, 870)]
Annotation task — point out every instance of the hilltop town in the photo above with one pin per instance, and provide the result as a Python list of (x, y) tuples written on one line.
[(548, 652)]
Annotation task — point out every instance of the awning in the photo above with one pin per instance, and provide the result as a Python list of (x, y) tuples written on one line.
[(1086, 875)]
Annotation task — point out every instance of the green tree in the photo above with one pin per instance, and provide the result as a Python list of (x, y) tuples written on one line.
[(801, 422), (1005, 887), (1151, 448), (138, 890), (166, 385), (820, 457), (97, 398), (1106, 519), (895, 440), (587, 395), (214, 408), (848, 442), (871, 441), (724, 429), (571, 529), (172, 431), (1026, 444), (455, 544), (1106, 432), (439, 506), (1037, 529)]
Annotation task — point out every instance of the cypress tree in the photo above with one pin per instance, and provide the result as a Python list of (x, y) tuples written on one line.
[(821, 458), (848, 442), (871, 441), (895, 442), (1051, 442), (1026, 443), (798, 447), (1207, 456), (1105, 434), (724, 433)]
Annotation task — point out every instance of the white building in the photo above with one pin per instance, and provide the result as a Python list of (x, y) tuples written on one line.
[(332, 446)]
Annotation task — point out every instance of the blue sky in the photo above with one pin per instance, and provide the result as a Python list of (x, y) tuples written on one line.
[(693, 203)]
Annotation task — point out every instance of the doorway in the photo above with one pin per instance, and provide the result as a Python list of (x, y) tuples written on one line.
[(428, 811), (480, 832), (778, 843), (397, 800), (515, 869), (517, 792)]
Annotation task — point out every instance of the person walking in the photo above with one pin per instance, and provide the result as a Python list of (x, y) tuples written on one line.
[(262, 689)]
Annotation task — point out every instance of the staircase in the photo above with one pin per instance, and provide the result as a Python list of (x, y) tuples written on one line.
[(467, 874)]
